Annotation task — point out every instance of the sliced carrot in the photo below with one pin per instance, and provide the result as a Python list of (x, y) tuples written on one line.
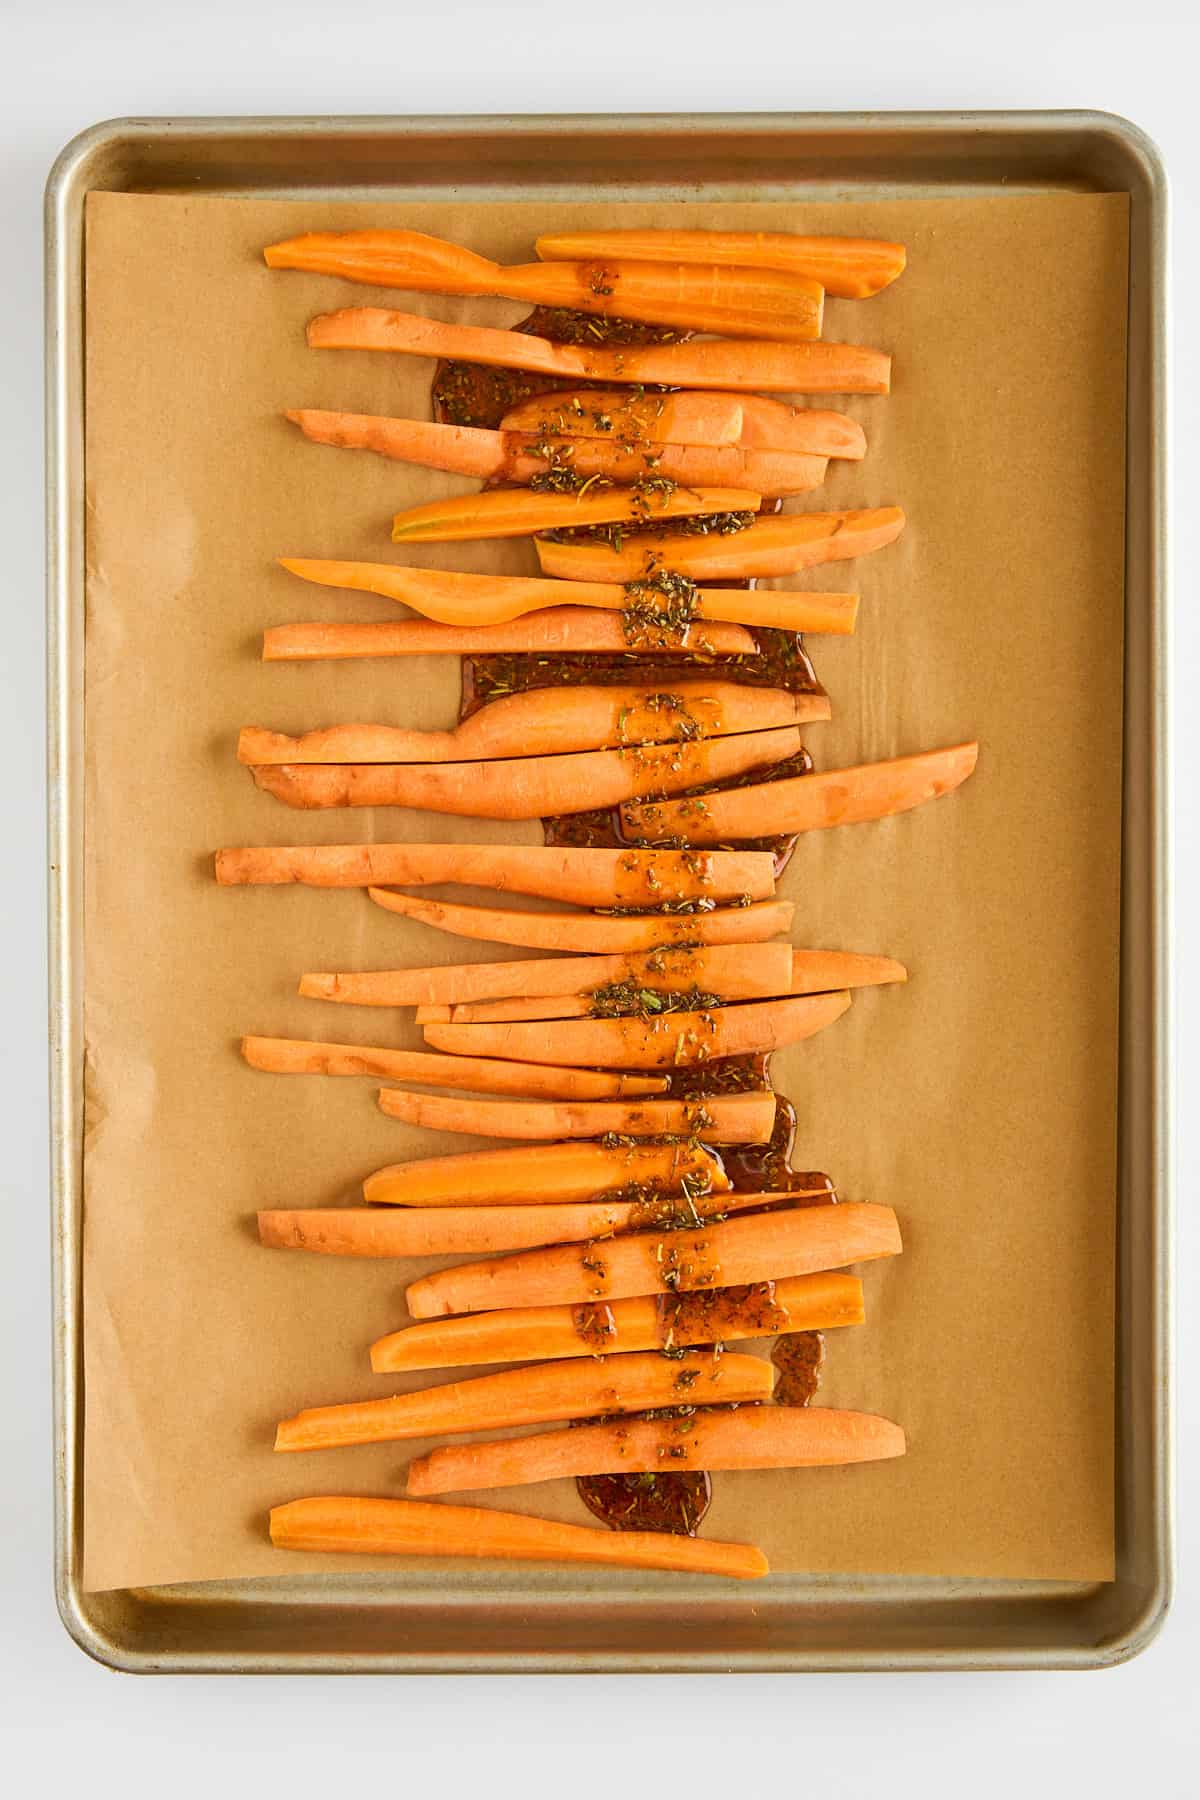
[(523, 456), (773, 546), (814, 368), (757, 1437), (821, 971), (668, 1041), (796, 1241), (751, 924), (739, 971), (774, 425), (519, 512), (565, 1390), (811, 802), (539, 1172), (718, 1119), (737, 302), (480, 1230), (633, 415), (548, 722), (292, 1056), (479, 601), (347, 1525), (429, 1014), (820, 1302), (582, 877), (562, 631), (852, 268), (527, 787)]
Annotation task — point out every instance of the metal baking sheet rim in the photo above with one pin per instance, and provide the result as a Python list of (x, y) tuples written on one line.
[(556, 1623)]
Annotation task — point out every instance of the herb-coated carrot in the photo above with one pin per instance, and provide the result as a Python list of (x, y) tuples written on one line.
[(665, 1042), (779, 545), (530, 1396), (633, 415), (761, 366), (519, 512), (758, 1437), (739, 971), (821, 971), (549, 721), (521, 456), (819, 1302), (580, 877), (537, 1172), (479, 1230), (718, 1119), (480, 601), (350, 1524), (561, 631), (733, 301), (751, 924), (813, 802), (527, 787), (851, 268), (470, 1074), (764, 1247)]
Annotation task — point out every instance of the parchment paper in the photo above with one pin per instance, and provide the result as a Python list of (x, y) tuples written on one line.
[(979, 1101)]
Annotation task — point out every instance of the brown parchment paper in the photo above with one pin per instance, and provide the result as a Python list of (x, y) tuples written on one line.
[(979, 1101)]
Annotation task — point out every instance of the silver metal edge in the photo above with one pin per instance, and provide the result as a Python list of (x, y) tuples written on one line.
[(66, 189)]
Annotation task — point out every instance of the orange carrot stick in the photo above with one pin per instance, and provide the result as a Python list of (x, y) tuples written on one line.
[(773, 546), (632, 415), (566, 1390), (665, 1042), (821, 971), (764, 1247), (852, 268), (733, 301), (579, 877), (739, 971), (835, 797), (751, 924), (538, 1172), (719, 1119), (527, 787), (292, 1056), (773, 424), (518, 512), (481, 1230), (347, 1525), (759, 1437), (548, 722), (762, 366), (561, 631), (819, 1302)]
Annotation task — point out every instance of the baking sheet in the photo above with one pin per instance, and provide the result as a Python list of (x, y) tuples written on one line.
[(980, 1101)]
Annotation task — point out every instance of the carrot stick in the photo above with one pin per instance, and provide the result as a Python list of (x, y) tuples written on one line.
[(774, 425), (565, 1390), (540, 1172), (773, 546), (561, 631), (632, 414), (718, 1119), (429, 1014), (292, 1056), (814, 368), (665, 1042), (751, 924), (549, 721), (478, 1230), (581, 877), (821, 971), (522, 456), (764, 1247), (450, 598), (527, 787), (819, 1302), (350, 1524), (812, 802), (518, 512), (740, 971), (733, 301), (852, 268), (766, 1437)]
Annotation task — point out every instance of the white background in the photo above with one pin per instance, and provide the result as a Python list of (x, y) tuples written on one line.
[(67, 1725)]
